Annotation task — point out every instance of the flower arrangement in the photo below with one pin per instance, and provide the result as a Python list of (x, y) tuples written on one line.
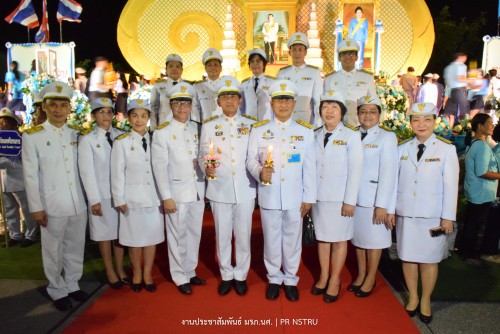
[(400, 125), (494, 104), (463, 127), (32, 85), (393, 99), (442, 127), (143, 93), (122, 125)]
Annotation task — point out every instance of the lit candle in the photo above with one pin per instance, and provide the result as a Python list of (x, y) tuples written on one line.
[(89, 117), (211, 152), (269, 151)]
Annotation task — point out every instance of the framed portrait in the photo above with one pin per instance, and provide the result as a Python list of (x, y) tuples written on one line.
[(270, 33), (53, 63), (42, 61)]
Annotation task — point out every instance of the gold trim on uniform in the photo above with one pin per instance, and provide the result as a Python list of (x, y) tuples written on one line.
[(36, 129), (405, 141), (264, 122), (210, 119), (162, 125), (270, 76), (385, 127), (74, 127), (352, 127), (444, 140), (123, 135), (304, 123), (330, 74), (85, 132), (366, 71), (250, 117), (246, 79), (312, 66)]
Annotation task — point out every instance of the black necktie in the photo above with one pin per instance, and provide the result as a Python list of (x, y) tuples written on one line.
[(421, 149), (363, 135), (327, 135), (110, 141), (144, 144), (256, 84), (174, 83)]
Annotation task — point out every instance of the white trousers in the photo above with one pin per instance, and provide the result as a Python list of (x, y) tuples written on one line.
[(233, 218), (282, 244), (183, 239), (63, 244), (13, 201)]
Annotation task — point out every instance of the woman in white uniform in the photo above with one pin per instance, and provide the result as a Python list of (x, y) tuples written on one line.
[(94, 160), (374, 215), (427, 194), (339, 163), (135, 195)]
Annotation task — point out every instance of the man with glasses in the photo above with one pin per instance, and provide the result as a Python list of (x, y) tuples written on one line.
[(281, 157), (181, 186), (230, 187), (349, 81)]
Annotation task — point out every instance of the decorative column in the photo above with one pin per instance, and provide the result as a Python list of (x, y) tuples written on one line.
[(379, 29), (314, 52), (339, 26), (231, 63)]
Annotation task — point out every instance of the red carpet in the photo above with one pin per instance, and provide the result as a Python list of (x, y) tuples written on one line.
[(167, 311)]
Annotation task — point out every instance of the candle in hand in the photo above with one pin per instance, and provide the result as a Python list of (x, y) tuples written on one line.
[(269, 151), (211, 152)]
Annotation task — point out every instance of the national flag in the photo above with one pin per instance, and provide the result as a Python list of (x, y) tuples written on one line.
[(69, 10), (24, 14), (43, 36)]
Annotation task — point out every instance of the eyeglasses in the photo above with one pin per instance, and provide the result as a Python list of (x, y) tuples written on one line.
[(105, 112), (181, 104), (284, 101), (349, 54)]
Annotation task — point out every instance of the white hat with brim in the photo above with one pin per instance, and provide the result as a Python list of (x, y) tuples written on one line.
[(37, 98), (211, 54), (257, 52), (298, 38), (57, 90), (138, 104), (80, 70), (173, 57), (333, 95), (348, 45), (429, 75), (369, 99), (283, 89), (6, 112), (435, 76), (228, 85), (102, 102), (180, 91), (422, 109)]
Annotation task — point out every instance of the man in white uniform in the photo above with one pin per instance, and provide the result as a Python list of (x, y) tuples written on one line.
[(288, 145), (232, 193), (270, 31), (181, 185), (349, 81), (429, 91), (55, 195), (255, 90), (307, 78)]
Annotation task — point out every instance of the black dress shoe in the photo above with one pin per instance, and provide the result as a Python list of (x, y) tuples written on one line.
[(136, 287), (329, 298), (362, 294), (14, 242), (240, 287), (224, 287), (426, 319), (150, 287), (27, 243), (197, 281), (317, 291), (125, 280), (79, 295), (412, 313), (185, 288), (291, 293), (63, 304), (115, 285), (273, 291), (353, 288)]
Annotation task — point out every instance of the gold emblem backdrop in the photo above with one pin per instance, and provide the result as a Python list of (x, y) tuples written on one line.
[(148, 30)]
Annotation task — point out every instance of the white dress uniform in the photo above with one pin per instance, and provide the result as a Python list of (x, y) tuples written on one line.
[(293, 182), (352, 85), (205, 101), (427, 192), (256, 103), (380, 162), (428, 92), (232, 194), (339, 168), (94, 161), (53, 185), (132, 183), (175, 151), (309, 89), (160, 103)]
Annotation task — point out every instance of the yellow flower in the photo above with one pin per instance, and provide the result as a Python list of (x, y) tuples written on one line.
[(457, 128)]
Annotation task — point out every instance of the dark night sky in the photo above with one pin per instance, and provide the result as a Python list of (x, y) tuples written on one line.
[(96, 34)]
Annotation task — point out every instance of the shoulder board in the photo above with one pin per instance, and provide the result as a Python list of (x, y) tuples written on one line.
[(162, 125), (264, 122), (117, 128), (85, 131), (246, 79), (330, 74), (198, 81), (385, 127), (285, 67), (74, 127), (303, 123), (366, 71), (35, 129), (405, 141), (270, 77), (312, 66), (352, 127), (123, 135), (318, 128), (443, 139), (189, 81), (210, 119), (250, 117)]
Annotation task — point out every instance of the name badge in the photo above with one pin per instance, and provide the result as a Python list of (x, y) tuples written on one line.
[(297, 138), (294, 158), (219, 133), (404, 157), (371, 145), (432, 160), (306, 78), (339, 142)]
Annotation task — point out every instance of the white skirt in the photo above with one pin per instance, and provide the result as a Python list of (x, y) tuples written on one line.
[(141, 227), (367, 234), (104, 227), (329, 225), (415, 243)]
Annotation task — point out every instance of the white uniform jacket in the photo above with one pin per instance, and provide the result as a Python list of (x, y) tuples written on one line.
[(380, 164), (309, 86), (11, 169), (205, 102), (132, 181), (50, 167), (339, 165), (94, 161), (175, 151), (257, 103), (229, 136), (293, 154), (428, 188)]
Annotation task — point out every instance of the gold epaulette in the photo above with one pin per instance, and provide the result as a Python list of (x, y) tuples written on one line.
[(36, 129), (74, 127), (312, 66), (162, 125), (303, 123), (246, 79), (122, 130), (270, 77), (85, 131), (385, 127), (352, 127), (285, 67), (210, 119), (264, 122), (330, 74), (123, 135), (443, 139), (199, 81), (188, 81), (366, 71), (250, 117), (405, 141)]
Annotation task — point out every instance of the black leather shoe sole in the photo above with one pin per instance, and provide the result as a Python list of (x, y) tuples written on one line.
[(240, 287), (291, 293), (185, 289), (224, 287), (273, 291)]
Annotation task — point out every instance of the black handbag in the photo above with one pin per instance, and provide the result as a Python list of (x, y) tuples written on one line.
[(308, 235)]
